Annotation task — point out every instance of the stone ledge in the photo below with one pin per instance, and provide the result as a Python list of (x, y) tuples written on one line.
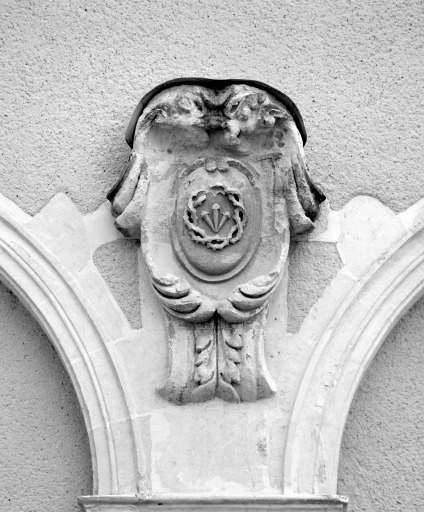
[(180, 503)]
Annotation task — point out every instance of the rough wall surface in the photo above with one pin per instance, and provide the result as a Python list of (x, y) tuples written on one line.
[(381, 461), (117, 262), (72, 72), (45, 457), (311, 269)]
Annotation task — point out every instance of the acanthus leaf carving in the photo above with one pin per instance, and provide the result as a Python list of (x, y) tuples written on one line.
[(216, 183)]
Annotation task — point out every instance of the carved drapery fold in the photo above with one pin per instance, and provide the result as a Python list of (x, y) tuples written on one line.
[(216, 183)]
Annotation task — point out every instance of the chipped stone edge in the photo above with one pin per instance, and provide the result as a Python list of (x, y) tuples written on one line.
[(100, 226)]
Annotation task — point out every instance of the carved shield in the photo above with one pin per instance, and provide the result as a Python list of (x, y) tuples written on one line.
[(216, 178), (217, 220)]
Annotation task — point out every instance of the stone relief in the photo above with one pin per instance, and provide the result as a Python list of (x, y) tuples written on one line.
[(47, 262), (216, 183)]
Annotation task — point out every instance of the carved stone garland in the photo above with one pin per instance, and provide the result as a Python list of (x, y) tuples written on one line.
[(216, 182)]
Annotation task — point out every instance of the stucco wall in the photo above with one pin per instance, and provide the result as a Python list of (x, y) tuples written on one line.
[(45, 457), (72, 72), (381, 462)]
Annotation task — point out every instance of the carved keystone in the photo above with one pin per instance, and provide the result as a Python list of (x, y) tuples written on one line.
[(216, 183)]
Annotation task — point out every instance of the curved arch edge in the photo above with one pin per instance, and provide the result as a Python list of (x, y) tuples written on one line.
[(62, 298), (365, 304)]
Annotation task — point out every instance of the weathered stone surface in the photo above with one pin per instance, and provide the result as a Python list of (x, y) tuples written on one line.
[(344, 343), (72, 70), (116, 370), (216, 183), (77, 311), (98, 227), (368, 229), (60, 226)]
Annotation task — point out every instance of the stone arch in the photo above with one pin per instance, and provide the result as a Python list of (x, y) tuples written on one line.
[(54, 297), (380, 463), (342, 352)]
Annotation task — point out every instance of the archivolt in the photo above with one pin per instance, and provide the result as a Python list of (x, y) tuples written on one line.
[(342, 354), (54, 298)]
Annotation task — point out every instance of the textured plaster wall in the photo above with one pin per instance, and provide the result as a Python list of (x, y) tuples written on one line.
[(44, 452), (71, 74), (311, 269), (118, 263), (381, 462)]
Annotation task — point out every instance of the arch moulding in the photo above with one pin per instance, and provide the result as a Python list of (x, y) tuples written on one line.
[(54, 297), (344, 346)]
